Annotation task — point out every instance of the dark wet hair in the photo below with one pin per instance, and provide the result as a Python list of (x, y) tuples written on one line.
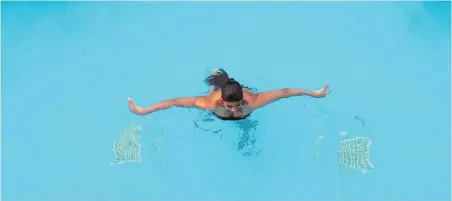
[(232, 91), (218, 79)]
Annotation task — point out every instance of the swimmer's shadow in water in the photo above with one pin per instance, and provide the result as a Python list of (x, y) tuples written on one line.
[(247, 138), (205, 117)]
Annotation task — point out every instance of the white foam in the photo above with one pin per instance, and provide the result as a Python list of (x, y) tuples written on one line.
[(128, 147), (343, 133), (354, 154)]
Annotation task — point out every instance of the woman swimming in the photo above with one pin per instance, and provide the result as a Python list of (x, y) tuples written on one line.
[(229, 99)]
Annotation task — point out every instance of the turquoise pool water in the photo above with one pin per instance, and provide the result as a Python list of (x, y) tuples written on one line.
[(68, 68)]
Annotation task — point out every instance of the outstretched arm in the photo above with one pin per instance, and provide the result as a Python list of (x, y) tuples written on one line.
[(190, 102), (266, 98)]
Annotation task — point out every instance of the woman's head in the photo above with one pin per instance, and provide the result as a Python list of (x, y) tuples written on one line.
[(232, 95)]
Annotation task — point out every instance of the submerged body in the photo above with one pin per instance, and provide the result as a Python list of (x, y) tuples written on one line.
[(229, 100)]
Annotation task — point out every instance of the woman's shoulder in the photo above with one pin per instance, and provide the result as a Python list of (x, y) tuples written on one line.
[(214, 98), (249, 96)]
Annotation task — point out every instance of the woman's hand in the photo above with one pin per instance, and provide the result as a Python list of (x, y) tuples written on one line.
[(134, 108), (322, 92)]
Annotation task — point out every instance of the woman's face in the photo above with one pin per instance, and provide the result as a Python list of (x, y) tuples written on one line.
[(233, 106)]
